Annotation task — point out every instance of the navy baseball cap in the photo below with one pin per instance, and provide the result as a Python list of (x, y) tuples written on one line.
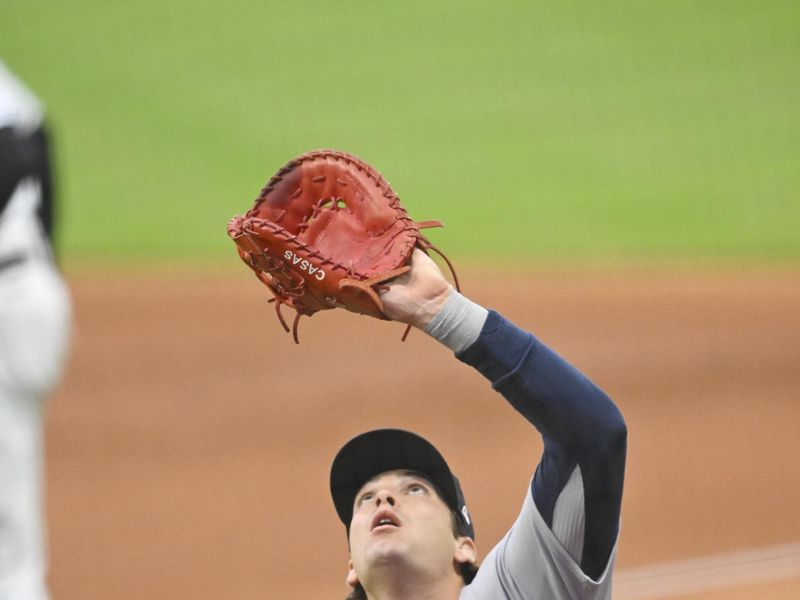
[(375, 452)]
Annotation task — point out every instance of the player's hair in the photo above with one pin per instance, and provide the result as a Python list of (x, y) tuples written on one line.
[(466, 570)]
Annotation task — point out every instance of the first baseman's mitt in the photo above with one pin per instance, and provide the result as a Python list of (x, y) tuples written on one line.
[(326, 232)]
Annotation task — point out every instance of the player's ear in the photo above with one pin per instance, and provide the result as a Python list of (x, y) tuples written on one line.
[(352, 578), (465, 550)]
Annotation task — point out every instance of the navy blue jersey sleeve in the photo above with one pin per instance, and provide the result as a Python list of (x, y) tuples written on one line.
[(580, 426)]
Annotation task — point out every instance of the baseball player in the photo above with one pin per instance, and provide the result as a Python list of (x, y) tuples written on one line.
[(410, 534), (35, 317)]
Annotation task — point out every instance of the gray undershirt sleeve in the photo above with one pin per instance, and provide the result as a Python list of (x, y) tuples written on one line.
[(569, 516), (458, 324)]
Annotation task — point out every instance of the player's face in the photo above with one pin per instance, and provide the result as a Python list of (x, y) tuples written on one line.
[(401, 523)]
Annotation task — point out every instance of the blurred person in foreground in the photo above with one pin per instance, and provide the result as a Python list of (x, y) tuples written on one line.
[(409, 532), (35, 323)]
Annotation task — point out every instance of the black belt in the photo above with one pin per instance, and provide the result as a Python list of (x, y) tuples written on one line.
[(12, 260)]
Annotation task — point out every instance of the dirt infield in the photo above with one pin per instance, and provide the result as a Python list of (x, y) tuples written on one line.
[(180, 465)]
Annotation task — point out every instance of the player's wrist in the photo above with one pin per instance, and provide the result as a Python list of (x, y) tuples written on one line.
[(458, 323), (431, 307)]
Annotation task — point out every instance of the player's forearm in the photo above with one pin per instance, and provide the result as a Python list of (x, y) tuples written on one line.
[(459, 323), (554, 396)]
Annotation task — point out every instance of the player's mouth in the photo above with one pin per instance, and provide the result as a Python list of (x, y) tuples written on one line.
[(384, 520)]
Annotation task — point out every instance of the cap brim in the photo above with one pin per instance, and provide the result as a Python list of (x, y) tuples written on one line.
[(382, 450)]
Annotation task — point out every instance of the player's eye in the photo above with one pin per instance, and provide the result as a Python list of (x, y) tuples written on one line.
[(365, 497), (417, 488)]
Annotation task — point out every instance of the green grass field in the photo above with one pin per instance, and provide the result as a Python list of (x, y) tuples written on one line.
[(570, 131)]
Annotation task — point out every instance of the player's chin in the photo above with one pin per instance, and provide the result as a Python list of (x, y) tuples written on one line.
[(383, 547)]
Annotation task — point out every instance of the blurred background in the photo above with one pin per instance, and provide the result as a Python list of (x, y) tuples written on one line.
[(621, 177), (656, 130)]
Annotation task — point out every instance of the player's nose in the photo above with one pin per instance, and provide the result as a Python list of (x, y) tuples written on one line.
[(386, 497)]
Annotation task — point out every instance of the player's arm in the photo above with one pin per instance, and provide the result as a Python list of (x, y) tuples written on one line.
[(577, 487)]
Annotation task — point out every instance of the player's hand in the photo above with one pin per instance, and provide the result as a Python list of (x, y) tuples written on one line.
[(417, 296)]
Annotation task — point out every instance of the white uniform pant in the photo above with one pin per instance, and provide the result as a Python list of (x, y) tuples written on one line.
[(35, 317)]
